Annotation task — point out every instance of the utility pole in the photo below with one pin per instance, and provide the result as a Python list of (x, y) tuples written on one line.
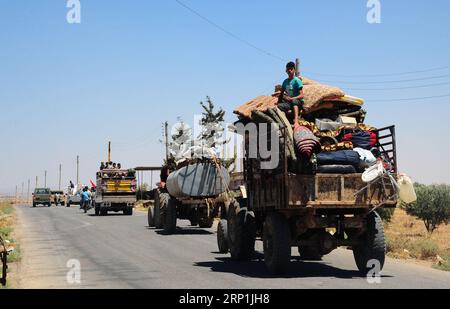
[(297, 67), (28, 192), (59, 187), (166, 136), (21, 195), (78, 170), (36, 182), (109, 152), (15, 196), (45, 179)]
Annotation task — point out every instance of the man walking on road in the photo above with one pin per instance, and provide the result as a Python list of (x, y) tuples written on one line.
[(85, 199)]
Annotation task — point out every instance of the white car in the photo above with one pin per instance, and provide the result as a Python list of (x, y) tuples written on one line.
[(74, 199)]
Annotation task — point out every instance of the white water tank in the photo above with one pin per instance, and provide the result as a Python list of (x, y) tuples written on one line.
[(198, 180), (406, 189)]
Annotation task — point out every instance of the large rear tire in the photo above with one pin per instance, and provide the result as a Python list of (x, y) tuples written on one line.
[(222, 236), (373, 245), (276, 242), (241, 233), (161, 201), (151, 216), (170, 217)]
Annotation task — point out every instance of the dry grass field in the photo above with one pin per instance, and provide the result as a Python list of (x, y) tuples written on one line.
[(408, 238)]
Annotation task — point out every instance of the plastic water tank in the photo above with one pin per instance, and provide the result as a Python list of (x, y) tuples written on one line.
[(198, 180), (406, 189)]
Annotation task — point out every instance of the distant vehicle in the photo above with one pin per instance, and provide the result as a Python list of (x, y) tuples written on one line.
[(42, 196), (73, 197), (115, 191), (58, 198)]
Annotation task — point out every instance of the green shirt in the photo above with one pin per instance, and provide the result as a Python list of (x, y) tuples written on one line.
[(293, 87)]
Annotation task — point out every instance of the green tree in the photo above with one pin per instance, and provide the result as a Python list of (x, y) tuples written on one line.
[(183, 146), (212, 129), (212, 135), (432, 205)]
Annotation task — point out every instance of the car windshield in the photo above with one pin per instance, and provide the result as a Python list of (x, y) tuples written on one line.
[(42, 191)]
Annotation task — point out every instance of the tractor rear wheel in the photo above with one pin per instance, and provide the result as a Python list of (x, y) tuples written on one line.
[(222, 236), (372, 247), (242, 233)]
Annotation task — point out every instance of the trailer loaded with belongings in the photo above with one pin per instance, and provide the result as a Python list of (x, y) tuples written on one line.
[(331, 128), (333, 172)]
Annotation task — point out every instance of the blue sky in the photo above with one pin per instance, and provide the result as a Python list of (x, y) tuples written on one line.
[(67, 89)]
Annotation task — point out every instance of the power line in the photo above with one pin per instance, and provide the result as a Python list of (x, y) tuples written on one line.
[(382, 75), (270, 54), (412, 99), (398, 88), (385, 82), (209, 21)]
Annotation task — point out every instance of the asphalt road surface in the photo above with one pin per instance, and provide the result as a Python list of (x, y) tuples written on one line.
[(123, 252)]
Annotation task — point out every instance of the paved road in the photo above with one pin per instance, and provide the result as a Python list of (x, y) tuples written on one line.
[(122, 252)]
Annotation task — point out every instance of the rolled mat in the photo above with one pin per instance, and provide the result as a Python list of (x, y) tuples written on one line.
[(305, 141)]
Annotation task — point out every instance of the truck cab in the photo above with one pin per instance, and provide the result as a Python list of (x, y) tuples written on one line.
[(42, 196), (115, 191)]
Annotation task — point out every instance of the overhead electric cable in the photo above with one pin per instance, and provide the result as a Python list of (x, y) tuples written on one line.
[(270, 54), (386, 81), (398, 88), (381, 75), (231, 33), (410, 99)]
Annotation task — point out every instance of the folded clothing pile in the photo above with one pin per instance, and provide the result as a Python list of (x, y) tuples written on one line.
[(361, 139), (357, 159)]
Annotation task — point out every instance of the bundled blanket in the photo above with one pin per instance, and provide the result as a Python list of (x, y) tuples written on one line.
[(305, 141)]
